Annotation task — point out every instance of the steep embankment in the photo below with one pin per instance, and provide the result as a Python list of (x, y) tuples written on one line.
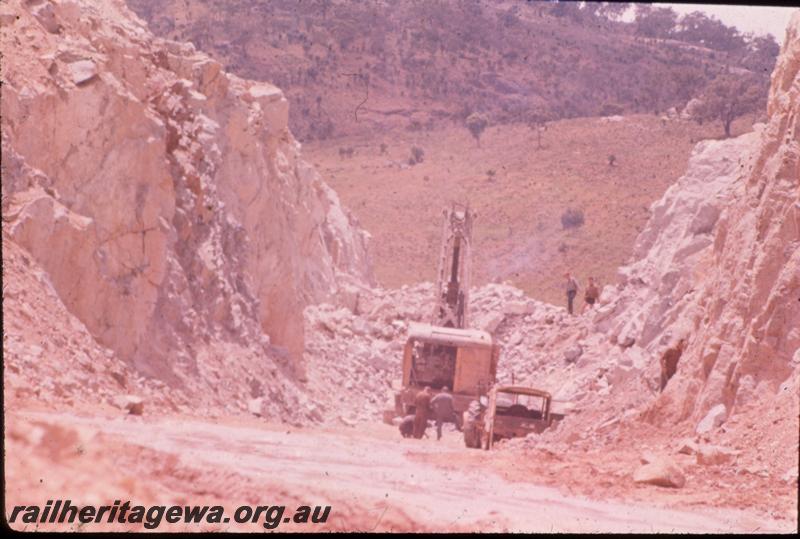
[(166, 200)]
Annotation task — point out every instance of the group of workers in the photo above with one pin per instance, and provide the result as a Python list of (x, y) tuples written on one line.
[(426, 404), (590, 296)]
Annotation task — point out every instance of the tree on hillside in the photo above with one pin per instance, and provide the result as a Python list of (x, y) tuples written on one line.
[(696, 27), (613, 10), (729, 96), (537, 122), (476, 123), (563, 9), (655, 21), (761, 54)]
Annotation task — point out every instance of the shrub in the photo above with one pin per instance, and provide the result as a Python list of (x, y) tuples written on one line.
[(572, 218), (476, 123), (611, 109), (417, 155)]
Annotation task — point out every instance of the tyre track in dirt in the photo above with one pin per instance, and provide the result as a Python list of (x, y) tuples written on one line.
[(374, 470)]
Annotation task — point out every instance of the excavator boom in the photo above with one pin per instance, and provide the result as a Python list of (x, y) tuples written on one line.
[(452, 289)]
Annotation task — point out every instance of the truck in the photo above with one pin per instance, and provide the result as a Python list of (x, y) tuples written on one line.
[(464, 360), (507, 412), (445, 352)]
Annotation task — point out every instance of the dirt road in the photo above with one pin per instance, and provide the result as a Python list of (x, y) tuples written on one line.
[(378, 480)]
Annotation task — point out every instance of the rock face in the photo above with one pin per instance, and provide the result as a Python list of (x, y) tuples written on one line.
[(166, 199), (742, 301)]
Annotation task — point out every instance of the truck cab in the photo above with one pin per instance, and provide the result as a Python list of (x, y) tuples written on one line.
[(507, 412)]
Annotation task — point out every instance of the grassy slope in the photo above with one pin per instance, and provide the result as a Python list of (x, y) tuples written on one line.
[(518, 231)]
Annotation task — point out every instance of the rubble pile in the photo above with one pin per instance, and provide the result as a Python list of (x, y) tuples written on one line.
[(354, 352)]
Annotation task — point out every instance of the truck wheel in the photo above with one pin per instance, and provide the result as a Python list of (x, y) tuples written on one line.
[(485, 441), (469, 438)]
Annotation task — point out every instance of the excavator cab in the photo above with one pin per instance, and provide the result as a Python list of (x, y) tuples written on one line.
[(464, 360)]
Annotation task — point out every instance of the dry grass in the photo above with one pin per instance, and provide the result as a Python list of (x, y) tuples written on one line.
[(518, 233)]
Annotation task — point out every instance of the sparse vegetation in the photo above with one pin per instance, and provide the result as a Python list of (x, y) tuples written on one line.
[(611, 109), (417, 155), (451, 55), (537, 122), (476, 123), (728, 97), (612, 159), (384, 147), (572, 218)]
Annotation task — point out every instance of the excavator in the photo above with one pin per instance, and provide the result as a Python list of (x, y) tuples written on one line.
[(445, 352)]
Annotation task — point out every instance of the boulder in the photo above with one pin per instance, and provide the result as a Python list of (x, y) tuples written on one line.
[(7, 17), (705, 219), (714, 418), (660, 471), (687, 447), (46, 16), (691, 109), (360, 326), (254, 406), (713, 455), (519, 308), (491, 322), (133, 404), (82, 71), (572, 354)]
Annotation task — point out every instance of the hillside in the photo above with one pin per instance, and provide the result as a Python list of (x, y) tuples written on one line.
[(354, 67), (519, 236)]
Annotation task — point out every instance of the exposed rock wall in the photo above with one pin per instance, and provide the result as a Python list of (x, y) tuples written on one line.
[(741, 294), (166, 199)]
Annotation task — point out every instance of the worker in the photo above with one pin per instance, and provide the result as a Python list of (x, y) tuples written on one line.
[(572, 290), (422, 404), (591, 295), (443, 411)]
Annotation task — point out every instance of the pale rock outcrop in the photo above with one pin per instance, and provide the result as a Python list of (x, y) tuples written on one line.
[(166, 198), (745, 312)]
